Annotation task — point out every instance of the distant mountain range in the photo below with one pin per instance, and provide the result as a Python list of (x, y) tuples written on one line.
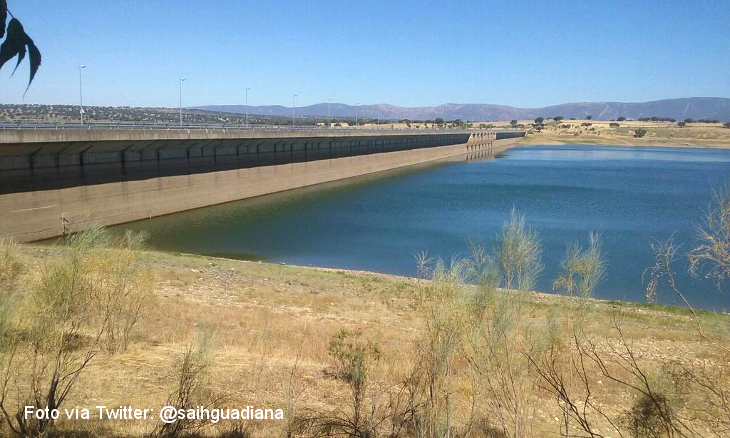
[(680, 109)]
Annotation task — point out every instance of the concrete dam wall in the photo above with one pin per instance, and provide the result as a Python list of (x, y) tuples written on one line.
[(66, 183)]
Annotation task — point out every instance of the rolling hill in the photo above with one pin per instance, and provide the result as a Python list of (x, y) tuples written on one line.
[(680, 109)]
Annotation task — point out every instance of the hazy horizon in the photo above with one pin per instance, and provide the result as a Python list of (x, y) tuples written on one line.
[(265, 104)]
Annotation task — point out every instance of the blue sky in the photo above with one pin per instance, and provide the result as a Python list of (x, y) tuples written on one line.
[(409, 53)]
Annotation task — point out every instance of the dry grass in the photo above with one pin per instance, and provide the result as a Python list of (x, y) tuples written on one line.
[(658, 133), (268, 317)]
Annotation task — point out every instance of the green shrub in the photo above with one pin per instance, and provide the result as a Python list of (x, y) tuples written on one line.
[(518, 253), (655, 413), (353, 355)]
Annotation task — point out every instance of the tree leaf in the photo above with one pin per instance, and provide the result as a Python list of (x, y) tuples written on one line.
[(3, 16), (34, 55), (14, 43), (21, 55)]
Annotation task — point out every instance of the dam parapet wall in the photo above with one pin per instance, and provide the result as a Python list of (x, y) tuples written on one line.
[(48, 188)]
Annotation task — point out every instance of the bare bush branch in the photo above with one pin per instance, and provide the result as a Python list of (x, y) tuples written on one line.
[(712, 254), (665, 254), (58, 329)]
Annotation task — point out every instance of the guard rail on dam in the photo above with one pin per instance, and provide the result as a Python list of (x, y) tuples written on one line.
[(55, 181)]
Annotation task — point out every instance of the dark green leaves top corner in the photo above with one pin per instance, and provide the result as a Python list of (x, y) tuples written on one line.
[(17, 43), (3, 16)]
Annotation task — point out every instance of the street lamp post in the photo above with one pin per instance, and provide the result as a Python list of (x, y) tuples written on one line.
[(329, 119), (81, 95), (357, 105), (293, 109), (247, 88), (181, 81)]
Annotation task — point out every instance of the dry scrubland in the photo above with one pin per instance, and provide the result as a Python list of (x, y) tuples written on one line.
[(657, 133), (358, 354), (711, 135)]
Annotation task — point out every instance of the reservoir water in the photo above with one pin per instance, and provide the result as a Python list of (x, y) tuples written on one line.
[(632, 196)]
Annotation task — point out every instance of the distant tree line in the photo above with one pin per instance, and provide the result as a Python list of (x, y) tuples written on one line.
[(541, 120), (657, 119), (702, 121)]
